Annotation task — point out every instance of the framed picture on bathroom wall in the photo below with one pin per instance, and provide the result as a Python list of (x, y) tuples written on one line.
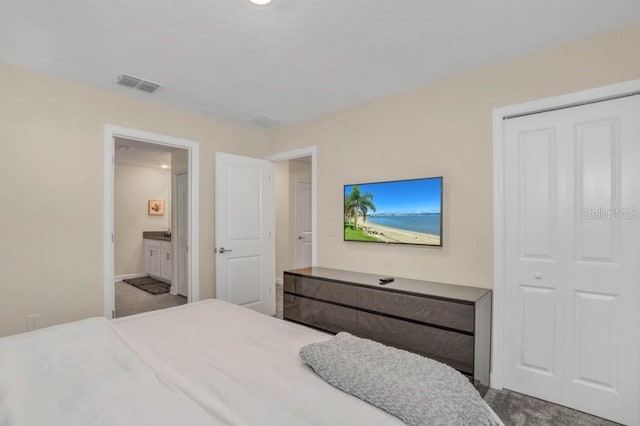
[(156, 207)]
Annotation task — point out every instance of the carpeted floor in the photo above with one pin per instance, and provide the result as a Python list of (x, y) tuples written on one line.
[(516, 409), (131, 300), (521, 410)]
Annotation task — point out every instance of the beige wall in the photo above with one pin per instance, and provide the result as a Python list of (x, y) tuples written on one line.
[(179, 161), (287, 174), (51, 169), (134, 187), (443, 128)]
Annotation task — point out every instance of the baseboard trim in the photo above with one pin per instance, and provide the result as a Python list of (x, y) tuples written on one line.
[(130, 276)]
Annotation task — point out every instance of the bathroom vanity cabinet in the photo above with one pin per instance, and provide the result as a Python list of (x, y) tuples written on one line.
[(158, 259)]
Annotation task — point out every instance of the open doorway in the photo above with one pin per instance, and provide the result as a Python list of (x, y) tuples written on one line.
[(249, 193), (294, 234), (150, 222), (295, 215), (151, 198)]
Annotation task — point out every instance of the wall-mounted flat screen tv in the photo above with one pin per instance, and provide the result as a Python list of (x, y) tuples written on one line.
[(396, 212)]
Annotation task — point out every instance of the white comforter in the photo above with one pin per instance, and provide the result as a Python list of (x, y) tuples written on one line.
[(205, 363), (244, 365), (83, 374)]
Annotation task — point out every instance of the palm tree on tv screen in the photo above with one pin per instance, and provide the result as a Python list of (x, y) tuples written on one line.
[(358, 203)]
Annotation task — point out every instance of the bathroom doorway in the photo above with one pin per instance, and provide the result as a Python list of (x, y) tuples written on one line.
[(149, 222), (149, 264)]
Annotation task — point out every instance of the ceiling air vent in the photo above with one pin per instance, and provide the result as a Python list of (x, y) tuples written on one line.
[(263, 121), (127, 80), (137, 83), (148, 86)]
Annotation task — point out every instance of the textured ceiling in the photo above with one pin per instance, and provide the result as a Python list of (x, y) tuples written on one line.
[(292, 60)]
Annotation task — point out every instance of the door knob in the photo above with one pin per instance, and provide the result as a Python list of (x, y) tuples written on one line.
[(538, 275), (223, 250)]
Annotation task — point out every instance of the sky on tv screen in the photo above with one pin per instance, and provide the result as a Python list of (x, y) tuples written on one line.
[(406, 196)]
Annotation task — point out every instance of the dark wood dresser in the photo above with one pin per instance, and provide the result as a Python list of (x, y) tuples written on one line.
[(449, 323)]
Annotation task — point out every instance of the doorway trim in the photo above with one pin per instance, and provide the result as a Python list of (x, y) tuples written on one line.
[(499, 116), (110, 133), (310, 151)]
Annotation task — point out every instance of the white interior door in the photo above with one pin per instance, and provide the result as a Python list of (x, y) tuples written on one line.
[(181, 234), (304, 234), (572, 253), (245, 227)]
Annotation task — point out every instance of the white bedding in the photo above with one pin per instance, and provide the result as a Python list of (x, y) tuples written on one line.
[(211, 349), (83, 374), (204, 363)]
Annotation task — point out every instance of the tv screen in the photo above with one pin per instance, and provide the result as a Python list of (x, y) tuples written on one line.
[(397, 212)]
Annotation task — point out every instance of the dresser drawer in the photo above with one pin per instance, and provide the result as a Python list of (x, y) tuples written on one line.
[(454, 315), (320, 289), (322, 315), (454, 349)]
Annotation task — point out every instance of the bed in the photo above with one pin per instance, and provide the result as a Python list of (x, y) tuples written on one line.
[(209, 362)]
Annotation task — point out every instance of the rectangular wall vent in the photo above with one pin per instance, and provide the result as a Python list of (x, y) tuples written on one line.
[(137, 83)]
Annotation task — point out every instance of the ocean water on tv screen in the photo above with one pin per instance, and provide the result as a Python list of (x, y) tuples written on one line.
[(425, 223)]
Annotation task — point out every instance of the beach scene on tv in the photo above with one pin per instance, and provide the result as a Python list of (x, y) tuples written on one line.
[(401, 212)]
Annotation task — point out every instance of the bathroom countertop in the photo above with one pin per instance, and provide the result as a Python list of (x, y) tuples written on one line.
[(156, 235)]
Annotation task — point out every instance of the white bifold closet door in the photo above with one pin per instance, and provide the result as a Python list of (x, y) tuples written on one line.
[(572, 193)]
